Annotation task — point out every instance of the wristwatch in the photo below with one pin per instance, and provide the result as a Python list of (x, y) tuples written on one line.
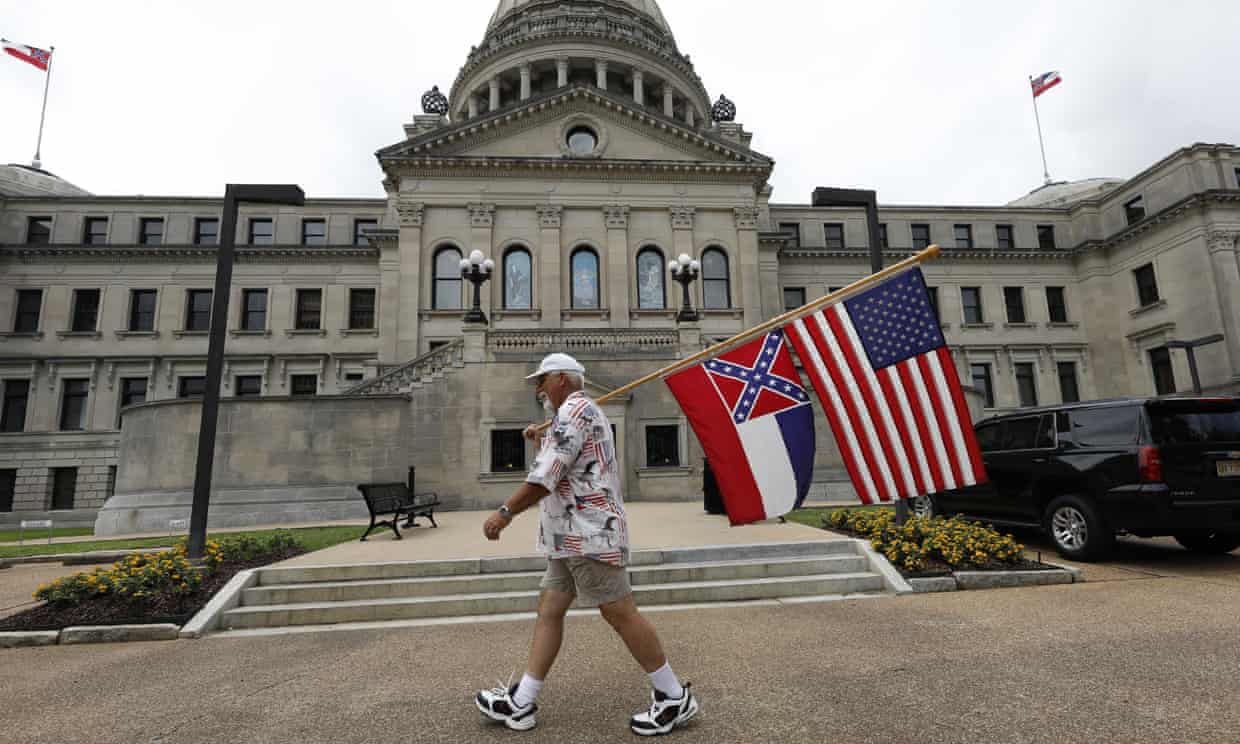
[(505, 512)]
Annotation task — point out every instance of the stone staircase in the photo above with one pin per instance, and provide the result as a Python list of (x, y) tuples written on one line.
[(297, 596), (402, 378), (830, 484)]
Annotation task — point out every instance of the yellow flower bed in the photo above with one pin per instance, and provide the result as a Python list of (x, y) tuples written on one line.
[(956, 542)]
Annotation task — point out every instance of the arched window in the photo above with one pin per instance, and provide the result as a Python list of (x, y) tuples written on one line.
[(716, 292), (584, 267), (518, 280), (447, 293), (651, 273)]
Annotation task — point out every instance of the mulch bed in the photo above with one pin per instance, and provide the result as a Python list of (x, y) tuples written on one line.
[(167, 608), (935, 567)]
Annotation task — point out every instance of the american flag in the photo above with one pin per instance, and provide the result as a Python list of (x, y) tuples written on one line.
[(884, 375)]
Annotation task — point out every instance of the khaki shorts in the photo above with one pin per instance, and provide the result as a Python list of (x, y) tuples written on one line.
[(594, 582)]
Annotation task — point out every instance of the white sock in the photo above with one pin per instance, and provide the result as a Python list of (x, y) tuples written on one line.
[(526, 691), (664, 680)]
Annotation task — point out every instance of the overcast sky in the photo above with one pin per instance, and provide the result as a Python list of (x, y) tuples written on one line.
[(926, 101)]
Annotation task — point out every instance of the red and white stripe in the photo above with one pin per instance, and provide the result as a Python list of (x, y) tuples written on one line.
[(40, 58), (903, 431)]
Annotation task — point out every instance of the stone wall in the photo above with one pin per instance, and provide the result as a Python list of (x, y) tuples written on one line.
[(36, 457)]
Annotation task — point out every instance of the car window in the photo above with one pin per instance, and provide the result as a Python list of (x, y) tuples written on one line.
[(1046, 432), (1196, 422), (988, 436), (1106, 427), (1021, 433)]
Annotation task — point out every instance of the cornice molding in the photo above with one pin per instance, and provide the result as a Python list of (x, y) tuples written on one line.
[(269, 254)]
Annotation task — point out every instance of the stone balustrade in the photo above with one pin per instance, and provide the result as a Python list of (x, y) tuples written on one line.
[(403, 377), (544, 341)]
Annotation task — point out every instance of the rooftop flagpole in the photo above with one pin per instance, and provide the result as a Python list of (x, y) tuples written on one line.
[(47, 83)]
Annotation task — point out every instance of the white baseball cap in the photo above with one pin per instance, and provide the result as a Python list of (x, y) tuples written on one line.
[(557, 363)]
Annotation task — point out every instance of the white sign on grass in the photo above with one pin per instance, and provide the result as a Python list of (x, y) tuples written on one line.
[(34, 524), (178, 524)]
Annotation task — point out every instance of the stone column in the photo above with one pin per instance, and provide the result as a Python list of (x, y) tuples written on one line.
[(493, 83), (481, 222), (473, 106), (669, 101), (549, 268), (757, 272), (600, 74), (561, 72), (689, 118), (639, 87), (405, 312), (525, 81), (682, 242), (1226, 277), (616, 217)]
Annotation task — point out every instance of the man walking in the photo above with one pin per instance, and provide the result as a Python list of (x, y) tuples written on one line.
[(583, 531)]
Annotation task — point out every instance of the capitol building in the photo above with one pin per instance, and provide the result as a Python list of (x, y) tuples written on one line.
[(579, 151)]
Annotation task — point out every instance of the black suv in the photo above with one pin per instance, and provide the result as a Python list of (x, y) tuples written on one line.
[(1086, 471)]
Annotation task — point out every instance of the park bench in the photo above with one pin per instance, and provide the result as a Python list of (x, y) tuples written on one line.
[(397, 500)]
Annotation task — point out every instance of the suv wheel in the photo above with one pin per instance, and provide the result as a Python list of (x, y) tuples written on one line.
[(1209, 543), (923, 506), (1077, 530)]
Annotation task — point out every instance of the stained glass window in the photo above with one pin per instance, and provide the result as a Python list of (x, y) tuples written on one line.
[(517, 280), (650, 273), (585, 278)]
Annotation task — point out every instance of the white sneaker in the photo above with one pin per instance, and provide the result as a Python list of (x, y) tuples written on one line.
[(497, 705), (665, 714)]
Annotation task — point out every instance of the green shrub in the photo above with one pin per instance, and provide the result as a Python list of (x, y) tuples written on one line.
[(956, 542)]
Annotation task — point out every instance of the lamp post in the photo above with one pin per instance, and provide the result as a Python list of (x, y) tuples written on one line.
[(234, 195), (685, 270), (1189, 347), (477, 269)]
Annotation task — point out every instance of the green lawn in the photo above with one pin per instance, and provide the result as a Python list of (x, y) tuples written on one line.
[(7, 535), (311, 538), (814, 517)]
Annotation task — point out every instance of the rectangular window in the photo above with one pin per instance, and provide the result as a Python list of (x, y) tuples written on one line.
[(361, 309), (198, 310), (1046, 237), (85, 310), (1026, 385), (1134, 210), (206, 231), (1147, 285), (1067, 382), (353, 377), (253, 309), (882, 236), (662, 446), (16, 397), (1056, 305), (835, 236), (38, 230), (64, 487), (248, 386), (142, 309), (1014, 300), (934, 301), (73, 405), (982, 381), (8, 487), (794, 297), (921, 237), (191, 387), (314, 232), (309, 309), (29, 303), (507, 451), (151, 231), (95, 231), (971, 299), (794, 228), (1003, 238), (360, 228), (262, 231), (133, 392), (304, 384), (964, 237), (1164, 374)]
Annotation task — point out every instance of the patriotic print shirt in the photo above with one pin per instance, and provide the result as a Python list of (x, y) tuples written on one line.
[(583, 515)]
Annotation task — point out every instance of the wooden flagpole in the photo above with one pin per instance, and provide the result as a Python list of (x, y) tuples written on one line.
[(837, 296)]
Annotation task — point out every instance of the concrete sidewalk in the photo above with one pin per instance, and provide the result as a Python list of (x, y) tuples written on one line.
[(36, 540)]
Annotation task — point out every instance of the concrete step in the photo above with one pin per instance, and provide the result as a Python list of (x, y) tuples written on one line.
[(343, 591), (424, 569), (372, 610)]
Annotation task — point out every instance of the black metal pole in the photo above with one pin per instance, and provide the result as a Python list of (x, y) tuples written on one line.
[(215, 369), (1192, 370)]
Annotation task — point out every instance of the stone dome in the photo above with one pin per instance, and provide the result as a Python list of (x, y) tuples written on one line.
[(649, 8)]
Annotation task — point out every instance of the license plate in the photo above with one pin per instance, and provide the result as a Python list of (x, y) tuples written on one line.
[(1229, 469)]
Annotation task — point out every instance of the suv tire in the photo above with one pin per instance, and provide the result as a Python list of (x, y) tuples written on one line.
[(1077, 529), (1209, 543), (924, 506)]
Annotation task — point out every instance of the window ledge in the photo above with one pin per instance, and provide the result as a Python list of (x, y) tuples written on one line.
[(514, 313), (454, 313), (265, 333), (582, 312), (1065, 324), (79, 334), (652, 312), (734, 312), (1020, 325), (359, 331), (669, 471), (183, 333), (1147, 308), (137, 334), (290, 332), (35, 335), (514, 477), (978, 326)]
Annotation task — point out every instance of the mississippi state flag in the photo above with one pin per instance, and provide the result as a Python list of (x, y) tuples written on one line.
[(755, 422), (1045, 82), (890, 390), (40, 58)]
